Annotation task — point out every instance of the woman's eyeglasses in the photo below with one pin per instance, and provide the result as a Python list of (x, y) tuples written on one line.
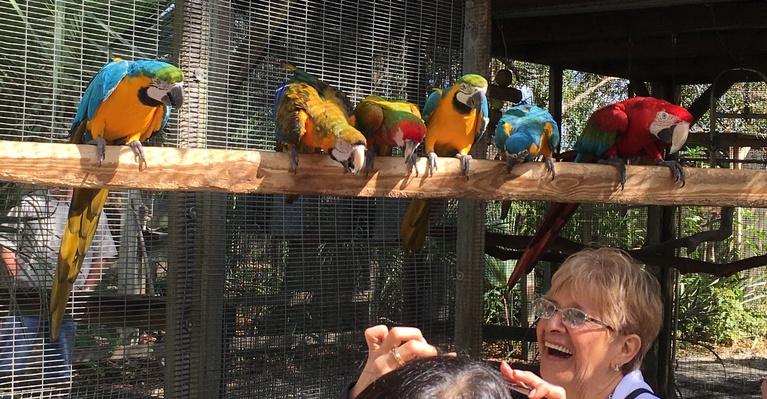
[(571, 317)]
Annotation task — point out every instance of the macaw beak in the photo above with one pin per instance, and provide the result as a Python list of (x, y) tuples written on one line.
[(676, 135), (409, 149), (175, 96), (479, 100), (511, 162), (356, 160)]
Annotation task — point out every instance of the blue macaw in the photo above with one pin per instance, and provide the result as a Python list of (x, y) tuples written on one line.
[(125, 103), (525, 133)]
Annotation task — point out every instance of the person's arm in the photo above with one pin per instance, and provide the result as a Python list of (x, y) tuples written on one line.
[(98, 266), (9, 259), (408, 342), (103, 250)]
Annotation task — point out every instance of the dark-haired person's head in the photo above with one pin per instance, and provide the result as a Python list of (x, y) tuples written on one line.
[(440, 377)]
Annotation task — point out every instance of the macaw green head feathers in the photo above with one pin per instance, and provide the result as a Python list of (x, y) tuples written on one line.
[(473, 80), (472, 95), (167, 86), (156, 69)]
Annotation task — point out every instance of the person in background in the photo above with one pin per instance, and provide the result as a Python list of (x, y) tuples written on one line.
[(596, 324), (29, 255)]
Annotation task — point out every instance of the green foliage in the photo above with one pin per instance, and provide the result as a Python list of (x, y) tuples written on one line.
[(716, 310), (497, 298), (721, 311)]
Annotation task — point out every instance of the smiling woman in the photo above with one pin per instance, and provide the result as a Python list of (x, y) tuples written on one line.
[(597, 322)]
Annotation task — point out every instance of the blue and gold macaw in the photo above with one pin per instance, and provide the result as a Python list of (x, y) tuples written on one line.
[(125, 103), (456, 118), (525, 133), (310, 114)]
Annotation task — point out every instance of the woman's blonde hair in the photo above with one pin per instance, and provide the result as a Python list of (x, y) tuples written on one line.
[(627, 296)]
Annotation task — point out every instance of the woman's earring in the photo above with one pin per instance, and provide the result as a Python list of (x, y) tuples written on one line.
[(617, 368)]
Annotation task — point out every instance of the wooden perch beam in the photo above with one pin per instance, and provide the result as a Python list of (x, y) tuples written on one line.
[(174, 169)]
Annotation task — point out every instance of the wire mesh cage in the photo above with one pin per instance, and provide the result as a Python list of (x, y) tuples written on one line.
[(230, 295), (252, 295)]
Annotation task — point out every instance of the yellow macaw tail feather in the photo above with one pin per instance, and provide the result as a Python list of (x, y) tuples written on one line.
[(385, 150), (82, 221), (415, 224), (287, 64)]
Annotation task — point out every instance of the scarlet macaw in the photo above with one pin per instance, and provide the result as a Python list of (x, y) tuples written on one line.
[(456, 118), (125, 103), (389, 123), (309, 112), (638, 127)]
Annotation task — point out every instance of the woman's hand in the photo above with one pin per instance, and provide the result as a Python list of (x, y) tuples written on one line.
[(540, 388), (385, 347)]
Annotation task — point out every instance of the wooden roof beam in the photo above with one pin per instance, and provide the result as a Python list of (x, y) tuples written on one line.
[(534, 8), (601, 21), (645, 48)]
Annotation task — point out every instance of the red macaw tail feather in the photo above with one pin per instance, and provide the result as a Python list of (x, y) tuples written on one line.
[(556, 217)]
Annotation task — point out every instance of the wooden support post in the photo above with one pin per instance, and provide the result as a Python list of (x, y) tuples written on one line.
[(129, 273), (470, 254), (556, 74), (187, 362), (661, 228)]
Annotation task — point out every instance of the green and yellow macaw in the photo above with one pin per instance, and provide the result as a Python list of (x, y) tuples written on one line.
[(125, 103), (386, 124), (456, 118), (310, 113)]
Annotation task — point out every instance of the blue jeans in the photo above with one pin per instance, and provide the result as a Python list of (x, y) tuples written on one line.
[(20, 365)]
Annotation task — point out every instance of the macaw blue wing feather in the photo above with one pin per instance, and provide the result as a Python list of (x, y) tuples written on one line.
[(99, 89), (485, 110), (431, 103)]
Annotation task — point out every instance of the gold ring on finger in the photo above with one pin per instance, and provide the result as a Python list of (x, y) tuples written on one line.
[(397, 357)]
